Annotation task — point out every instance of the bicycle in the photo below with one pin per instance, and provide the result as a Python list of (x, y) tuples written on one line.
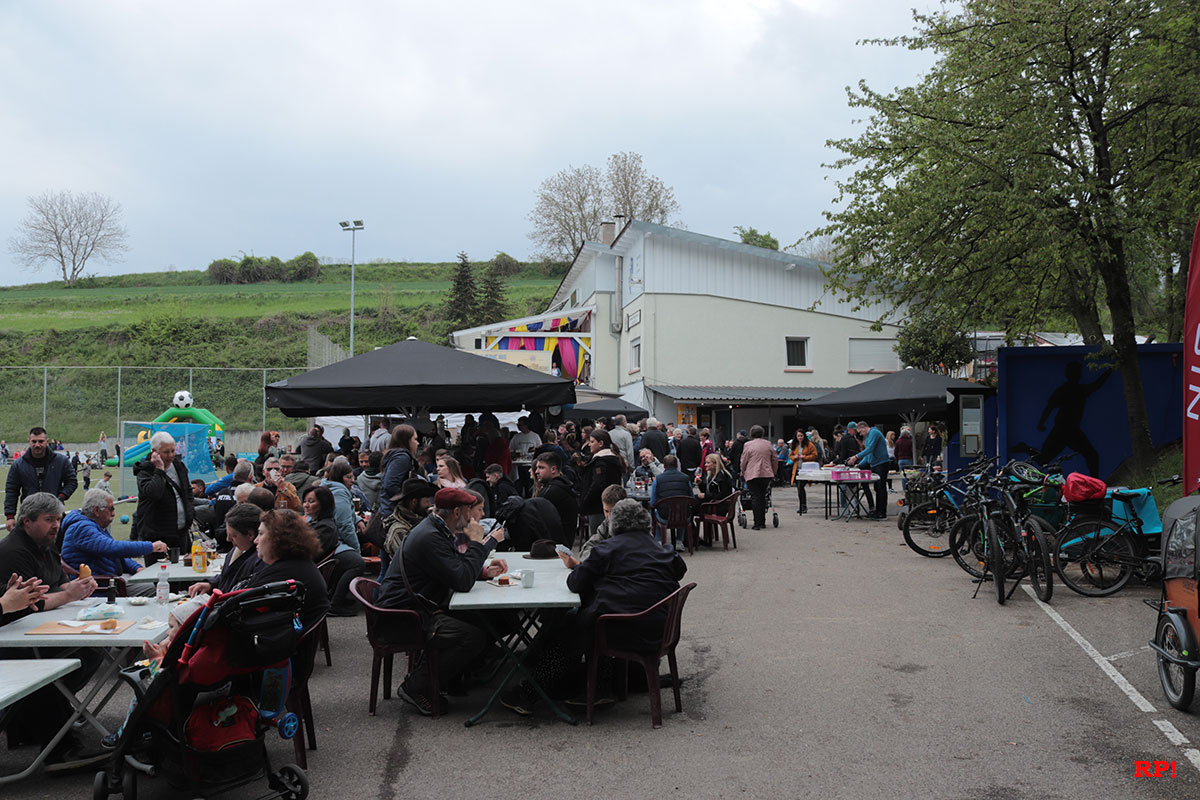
[(926, 526), (1095, 556)]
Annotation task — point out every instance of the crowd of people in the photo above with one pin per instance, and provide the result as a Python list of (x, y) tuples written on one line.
[(430, 508)]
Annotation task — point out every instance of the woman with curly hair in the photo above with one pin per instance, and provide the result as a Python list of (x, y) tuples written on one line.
[(286, 545)]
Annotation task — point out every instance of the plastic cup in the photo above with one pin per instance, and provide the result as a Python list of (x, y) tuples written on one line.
[(174, 552), (527, 579)]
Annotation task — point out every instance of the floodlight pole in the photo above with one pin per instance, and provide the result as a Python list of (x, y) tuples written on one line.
[(353, 228)]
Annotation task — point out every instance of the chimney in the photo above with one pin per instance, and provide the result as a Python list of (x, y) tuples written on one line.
[(607, 232)]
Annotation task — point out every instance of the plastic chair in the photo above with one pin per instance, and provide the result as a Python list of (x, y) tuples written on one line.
[(720, 514), (406, 634), (603, 647), (326, 568), (299, 702), (102, 581), (681, 515)]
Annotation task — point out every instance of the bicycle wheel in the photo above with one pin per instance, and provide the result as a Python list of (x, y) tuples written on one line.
[(1094, 557), (967, 545), (1041, 572), (1178, 683), (927, 528), (1027, 471), (995, 561)]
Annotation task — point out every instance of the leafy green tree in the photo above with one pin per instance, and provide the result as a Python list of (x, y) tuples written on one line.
[(462, 303), (493, 296), (504, 264), (752, 236), (935, 343), (1012, 183)]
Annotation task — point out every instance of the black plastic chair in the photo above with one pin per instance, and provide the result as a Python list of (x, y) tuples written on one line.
[(406, 634)]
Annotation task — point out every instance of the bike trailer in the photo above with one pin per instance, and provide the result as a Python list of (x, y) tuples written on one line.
[(1175, 637)]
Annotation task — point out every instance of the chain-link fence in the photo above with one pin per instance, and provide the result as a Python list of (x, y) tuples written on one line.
[(75, 404)]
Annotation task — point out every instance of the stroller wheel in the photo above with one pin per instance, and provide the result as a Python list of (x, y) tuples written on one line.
[(775, 520), (289, 725), (292, 782), (129, 784), (100, 786)]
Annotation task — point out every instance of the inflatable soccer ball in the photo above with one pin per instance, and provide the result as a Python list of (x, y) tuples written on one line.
[(182, 399)]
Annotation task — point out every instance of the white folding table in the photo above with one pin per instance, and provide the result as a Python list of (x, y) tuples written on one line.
[(177, 574), (549, 591)]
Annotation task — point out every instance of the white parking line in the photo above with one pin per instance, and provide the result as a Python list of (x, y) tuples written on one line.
[(1164, 726)]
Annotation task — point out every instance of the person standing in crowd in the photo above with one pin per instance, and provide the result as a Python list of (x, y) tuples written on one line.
[(758, 470), (103, 483), (904, 453), (314, 447), (688, 449), (85, 472), (874, 456), (37, 470), (101, 446), (381, 437), (398, 462), (735, 453), (603, 469), (654, 439), (622, 440), (346, 443), (802, 450), (4, 456), (931, 451), (165, 509)]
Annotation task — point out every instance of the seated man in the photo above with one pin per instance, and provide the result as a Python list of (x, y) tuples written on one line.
[(425, 571), (277, 484), (650, 467), (499, 487), (28, 552), (625, 574), (411, 506), (553, 486), (86, 540), (671, 482)]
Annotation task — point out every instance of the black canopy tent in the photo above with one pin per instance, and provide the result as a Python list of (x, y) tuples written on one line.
[(911, 394), (606, 408), (412, 375)]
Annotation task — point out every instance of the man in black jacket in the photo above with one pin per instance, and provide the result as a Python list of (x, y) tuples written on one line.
[(165, 509), (689, 451), (39, 469), (735, 453), (559, 491), (671, 482), (313, 449), (655, 440), (426, 570), (499, 487)]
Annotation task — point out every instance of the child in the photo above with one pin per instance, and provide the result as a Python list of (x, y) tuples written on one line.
[(103, 484)]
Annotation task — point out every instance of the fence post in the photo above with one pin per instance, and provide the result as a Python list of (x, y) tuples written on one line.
[(264, 392), (190, 381), (45, 389), (118, 406)]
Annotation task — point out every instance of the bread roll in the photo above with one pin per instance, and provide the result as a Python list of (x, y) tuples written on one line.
[(85, 571)]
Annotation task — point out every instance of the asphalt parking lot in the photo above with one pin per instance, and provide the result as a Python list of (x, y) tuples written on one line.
[(821, 659)]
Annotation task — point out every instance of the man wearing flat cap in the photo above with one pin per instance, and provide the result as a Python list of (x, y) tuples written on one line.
[(425, 571)]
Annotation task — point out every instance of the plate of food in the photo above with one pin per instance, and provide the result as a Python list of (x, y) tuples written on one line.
[(505, 580)]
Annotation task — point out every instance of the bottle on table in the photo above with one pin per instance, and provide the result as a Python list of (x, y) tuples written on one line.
[(199, 557), (162, 590)]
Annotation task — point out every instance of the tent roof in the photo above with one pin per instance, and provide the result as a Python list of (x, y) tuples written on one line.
[(415, 374), (908, 392), (607, 407)]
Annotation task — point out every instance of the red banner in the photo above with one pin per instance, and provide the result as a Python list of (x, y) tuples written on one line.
[(1191, 364)]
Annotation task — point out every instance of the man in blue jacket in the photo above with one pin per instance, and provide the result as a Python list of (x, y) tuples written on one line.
[(875, 457), (39, 469), (671, 482), (86, 540)]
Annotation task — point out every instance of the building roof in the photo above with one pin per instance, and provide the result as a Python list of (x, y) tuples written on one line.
[(740, 394)]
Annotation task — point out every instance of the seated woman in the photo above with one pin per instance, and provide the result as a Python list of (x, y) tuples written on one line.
[(241, 527), (287, 545), (624, 574), (320, 506)]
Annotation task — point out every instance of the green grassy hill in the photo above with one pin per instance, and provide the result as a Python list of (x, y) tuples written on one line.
[(182, 319)]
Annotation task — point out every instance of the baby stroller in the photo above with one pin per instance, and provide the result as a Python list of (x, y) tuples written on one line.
[(745, 501), (202, 719)]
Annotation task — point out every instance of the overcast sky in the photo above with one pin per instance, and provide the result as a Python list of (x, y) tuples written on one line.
[(255, 126)]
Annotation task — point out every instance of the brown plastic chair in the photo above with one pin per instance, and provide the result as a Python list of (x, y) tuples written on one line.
[(720, 514), (608, 624), (102, 581), (298, 701), (326, 568), (406, 634), (681, 515)]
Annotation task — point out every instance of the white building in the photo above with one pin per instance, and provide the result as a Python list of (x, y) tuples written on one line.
[(697, 329)]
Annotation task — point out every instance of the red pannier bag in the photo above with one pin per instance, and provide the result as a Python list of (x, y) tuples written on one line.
[(1080, 487)]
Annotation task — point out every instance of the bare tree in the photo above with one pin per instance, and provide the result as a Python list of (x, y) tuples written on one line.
[(818, 248), (567, 212), (571, 204), (635, 193), (69, 230)]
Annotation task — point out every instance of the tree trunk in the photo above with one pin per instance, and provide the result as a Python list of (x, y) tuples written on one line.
[(1120, 306), (1176, 293)]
